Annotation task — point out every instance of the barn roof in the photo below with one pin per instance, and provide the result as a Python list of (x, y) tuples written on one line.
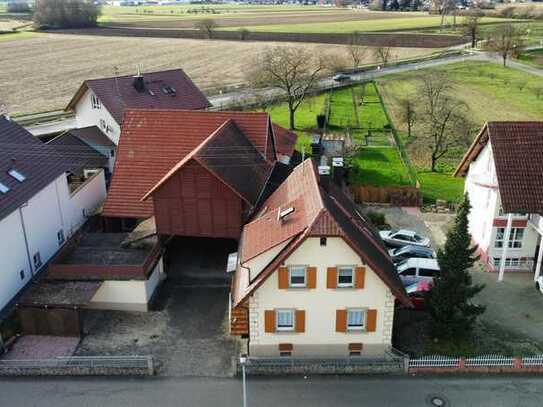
[(154, 141), (171, 89), (39, 164), (517, 148), (316, 212)]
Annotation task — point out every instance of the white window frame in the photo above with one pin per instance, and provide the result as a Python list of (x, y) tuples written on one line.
[(103, 124), (515, 242), (364, 316), (60, 237), (512, 262), (95, 102), (346, 285), (297, 285), (37, 260), (292, 317)]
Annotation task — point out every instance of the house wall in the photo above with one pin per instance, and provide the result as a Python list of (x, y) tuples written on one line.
[(128, 295), (193, 202), (320, 304), (485, 219), (87, 116)]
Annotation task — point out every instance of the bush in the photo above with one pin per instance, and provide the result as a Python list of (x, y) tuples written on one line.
[(378, 220), (66, 13), (18, 8)]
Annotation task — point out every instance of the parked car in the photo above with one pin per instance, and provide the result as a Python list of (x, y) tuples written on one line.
[(539, 284), (417, 292), (342, 77), (403, 237), (406, 252), (414, 270)]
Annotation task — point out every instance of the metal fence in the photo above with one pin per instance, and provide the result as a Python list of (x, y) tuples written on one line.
[(484, 361), (434, 361), (489, 361), (533, 361)]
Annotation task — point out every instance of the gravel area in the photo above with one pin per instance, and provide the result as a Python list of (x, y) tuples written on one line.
[(33, 347)]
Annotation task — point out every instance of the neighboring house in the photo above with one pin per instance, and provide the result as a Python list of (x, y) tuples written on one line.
[(102, 102), (199, 173), (504, 180), (285, 143), (313, 278), (39, 207)]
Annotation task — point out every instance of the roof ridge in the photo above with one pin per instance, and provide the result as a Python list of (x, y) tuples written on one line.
[(132, 75)]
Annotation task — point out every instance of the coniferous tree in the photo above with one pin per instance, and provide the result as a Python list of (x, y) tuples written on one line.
[(453, 315)]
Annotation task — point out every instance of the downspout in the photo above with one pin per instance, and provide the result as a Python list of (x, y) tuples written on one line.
[(506, 238), (26, 240)]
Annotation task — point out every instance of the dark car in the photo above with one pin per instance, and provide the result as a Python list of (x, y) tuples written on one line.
[(342, 77), (407, 252)]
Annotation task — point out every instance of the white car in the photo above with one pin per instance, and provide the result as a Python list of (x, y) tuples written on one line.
[(539, 284), (415, 270), (403, 237)]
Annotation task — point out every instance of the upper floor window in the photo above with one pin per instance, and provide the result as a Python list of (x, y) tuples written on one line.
[(515, 215), (37, 260), (95, 102), (345, 276), (103, 124), (356, 319), (60, 237), (297, 276), (515, 238)]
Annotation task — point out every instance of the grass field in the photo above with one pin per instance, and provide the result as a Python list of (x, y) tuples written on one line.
[(41, 72), (533, 58), (379, 166), (417, 21), (439, 185)]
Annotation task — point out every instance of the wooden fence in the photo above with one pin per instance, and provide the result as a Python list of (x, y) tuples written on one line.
[(408, 195)]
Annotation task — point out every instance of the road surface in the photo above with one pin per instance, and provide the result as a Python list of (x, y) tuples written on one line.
[(324, 391)]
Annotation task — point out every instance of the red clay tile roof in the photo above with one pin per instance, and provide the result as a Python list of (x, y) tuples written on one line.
[(40, 163), (285, 140), (118, 93), (154, 141), (517, 148), (317, 212), (230, 156)]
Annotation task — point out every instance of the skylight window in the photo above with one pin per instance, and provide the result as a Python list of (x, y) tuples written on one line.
[(17, 175), (3, 188)]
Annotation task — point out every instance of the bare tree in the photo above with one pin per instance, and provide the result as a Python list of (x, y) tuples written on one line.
[(471, 26), (383, 54), (295, 70), (207, 26), (506, 40), (444, 122), (408, 114), (355, 51)]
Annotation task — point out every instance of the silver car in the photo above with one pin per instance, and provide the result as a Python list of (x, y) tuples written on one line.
[(401, 253), (403, 237)]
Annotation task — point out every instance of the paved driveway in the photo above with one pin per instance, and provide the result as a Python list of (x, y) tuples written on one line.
[(187, 330)]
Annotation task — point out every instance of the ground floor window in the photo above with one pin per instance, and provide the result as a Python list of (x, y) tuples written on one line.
[(356, 319), (509, 262), (285, 319)]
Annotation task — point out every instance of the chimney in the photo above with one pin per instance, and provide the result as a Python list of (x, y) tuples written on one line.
[(139, 83)]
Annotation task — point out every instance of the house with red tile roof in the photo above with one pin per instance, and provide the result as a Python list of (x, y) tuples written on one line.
[(503, 169), (313, 277), (199, 173), (101, 103)]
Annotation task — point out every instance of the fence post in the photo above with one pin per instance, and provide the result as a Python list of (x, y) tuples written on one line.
[(462, 363), (517, 363), (406, 364), (150, 366)]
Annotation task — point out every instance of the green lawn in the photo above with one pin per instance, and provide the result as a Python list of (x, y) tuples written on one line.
[(342, 115), (533, 58), (379, 166), (381, 24), (438, 185)]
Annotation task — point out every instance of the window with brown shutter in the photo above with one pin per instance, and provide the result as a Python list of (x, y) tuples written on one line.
[(341, 320), (360, 277), (331, 277), (371, 320), (283, 278), (311, 277), (300, 321), (269, 321)]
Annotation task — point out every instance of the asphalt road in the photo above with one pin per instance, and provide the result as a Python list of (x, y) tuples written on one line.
[(376, 391)]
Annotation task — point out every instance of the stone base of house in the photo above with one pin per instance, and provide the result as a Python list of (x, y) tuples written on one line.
[(318, 350)]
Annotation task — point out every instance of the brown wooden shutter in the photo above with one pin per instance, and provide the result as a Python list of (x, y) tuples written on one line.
[(311, 277), (283, 277), (360, 277), (371, 320), (331, 277), (300, 321), (341, 320), (269, 321)]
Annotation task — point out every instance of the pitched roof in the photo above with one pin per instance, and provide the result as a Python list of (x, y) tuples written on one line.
[(517, 148), (79, 154), (285, 140), (230, 156), (118, 93), (92, 136), (317, 212), (154, 141), (39, 163)]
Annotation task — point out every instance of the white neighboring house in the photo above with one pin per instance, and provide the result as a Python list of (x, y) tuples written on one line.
[(504, 181), (101, 102), (312, 276), (39, 209)]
